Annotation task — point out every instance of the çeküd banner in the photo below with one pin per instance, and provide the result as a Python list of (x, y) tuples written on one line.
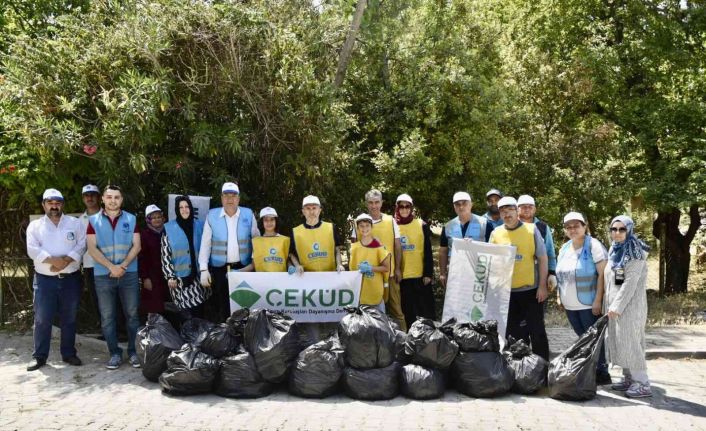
[(310, 297)]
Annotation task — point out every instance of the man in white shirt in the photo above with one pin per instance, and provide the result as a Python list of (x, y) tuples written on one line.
[(90, 194), (226, 246), (56, 243)]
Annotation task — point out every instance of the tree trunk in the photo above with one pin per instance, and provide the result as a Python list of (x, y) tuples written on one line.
[(345, 57), (675, 247)]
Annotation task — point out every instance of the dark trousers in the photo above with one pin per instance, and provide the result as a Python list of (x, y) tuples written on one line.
[(524, 306), (417, 300), (217, 307), (581, 320), (90, 298), (54, 295)]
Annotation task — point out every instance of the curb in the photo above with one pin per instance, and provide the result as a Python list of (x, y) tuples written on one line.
[(675, 354)]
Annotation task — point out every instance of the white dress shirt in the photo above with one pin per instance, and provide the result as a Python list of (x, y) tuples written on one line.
[(45, 239), (232, 250), (88, 261)]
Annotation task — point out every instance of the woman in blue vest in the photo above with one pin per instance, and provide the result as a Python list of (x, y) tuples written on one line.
[(580, 267), (181, 242)]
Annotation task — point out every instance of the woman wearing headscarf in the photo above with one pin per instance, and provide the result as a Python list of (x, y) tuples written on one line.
[(626, 303), (180, 246), (579, 271)]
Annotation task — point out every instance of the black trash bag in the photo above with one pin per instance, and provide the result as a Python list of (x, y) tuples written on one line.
[(317, 370), (572, 374), (481, 336), (239, 377), (429, 346), (189, 371), (421, 383), (367, 337), (154, 343), (223, 339), (530, 369), (273, 341), (194, 331), (400, 355), (373, 384), (482, 374)]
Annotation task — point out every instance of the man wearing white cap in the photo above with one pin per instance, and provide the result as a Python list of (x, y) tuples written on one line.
[(226, 246), (527, 211), (465, 225), (113, 239), (316, 245), (493, 214), (154, 292), (56, 243), (385, 229), (529, 277), (90, 194)]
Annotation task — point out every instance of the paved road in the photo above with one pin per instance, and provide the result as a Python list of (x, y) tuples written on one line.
[(90, 397)]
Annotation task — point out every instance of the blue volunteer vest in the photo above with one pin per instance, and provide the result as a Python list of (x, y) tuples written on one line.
[(179, 244), (115, 244), (475, 230), (219, 238), (586, 273)]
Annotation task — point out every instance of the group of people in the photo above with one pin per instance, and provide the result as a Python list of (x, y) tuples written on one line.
[(188, 260)]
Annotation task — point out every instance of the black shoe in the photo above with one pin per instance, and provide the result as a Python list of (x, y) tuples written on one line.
[(603, 378), (36, 363), (74, 360)]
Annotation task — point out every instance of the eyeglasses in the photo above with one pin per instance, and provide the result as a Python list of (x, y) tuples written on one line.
[(618, 229), (404, 207)]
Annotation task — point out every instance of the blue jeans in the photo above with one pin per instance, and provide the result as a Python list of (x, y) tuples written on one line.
[(581, 320), (54, 295), (107, 290)]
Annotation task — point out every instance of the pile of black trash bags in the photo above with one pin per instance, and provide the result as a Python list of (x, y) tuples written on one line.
[(367, 358)]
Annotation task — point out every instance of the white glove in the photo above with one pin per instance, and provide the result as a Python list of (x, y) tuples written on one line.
[(205, 278), (340, 268), (551, 281)]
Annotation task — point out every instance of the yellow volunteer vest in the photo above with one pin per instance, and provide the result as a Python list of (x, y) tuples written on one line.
[(412, 239), (316, 247), (385, 233), (523, 239), (270, 253), (372, 289)]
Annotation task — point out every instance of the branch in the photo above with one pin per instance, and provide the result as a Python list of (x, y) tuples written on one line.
[(694, 223), (347, 50)]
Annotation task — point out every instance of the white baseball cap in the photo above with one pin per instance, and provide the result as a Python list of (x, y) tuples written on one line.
[(311, 200), (230, 188), (404, 197), (90, 188), (573, 215), (461, 196), (525, 200), (492, 192), (151, 208), (52, 194), (268, 212), (507, 201), (364, 217)]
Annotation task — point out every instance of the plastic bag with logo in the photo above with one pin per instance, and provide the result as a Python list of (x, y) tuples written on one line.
[(530, 369), (317, 370), (481, 336), (223, 339), (421, 383), (428, 345), (189, 371), (372, 384), (194, 331), (273, 341), (367, 337), (572, 374), (482, 374), (239, 377), (154, 343)]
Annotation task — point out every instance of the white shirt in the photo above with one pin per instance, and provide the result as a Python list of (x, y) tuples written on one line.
[(232, 250), (566, 273), (88, 261), (45, 239), (395, 228)]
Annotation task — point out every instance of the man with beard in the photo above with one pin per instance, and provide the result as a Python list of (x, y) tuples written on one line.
[(527, 211), (90, 194), (493, 214), (113, 240), (154, 290), (56, 243)]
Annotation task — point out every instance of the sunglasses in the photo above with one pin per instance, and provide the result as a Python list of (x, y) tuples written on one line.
[(618, 229), (404, 207)]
